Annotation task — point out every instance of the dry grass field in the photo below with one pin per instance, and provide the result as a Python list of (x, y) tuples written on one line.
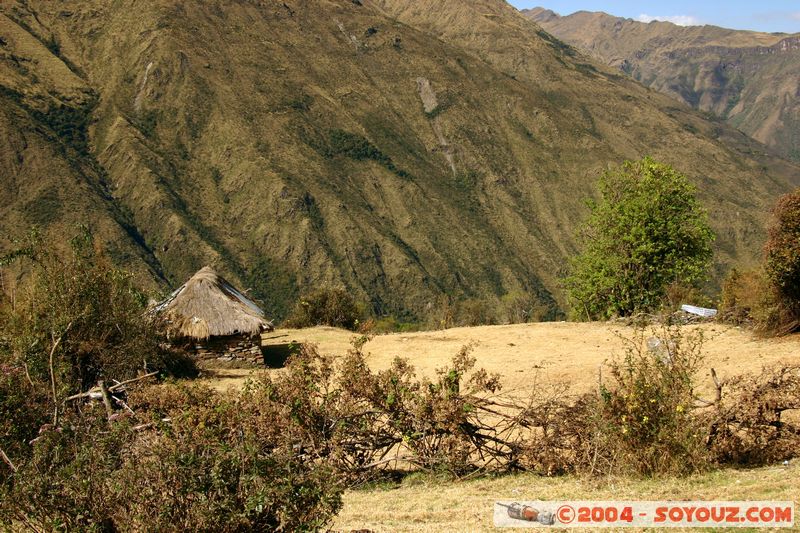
[(529, 356), (532, 355), (426, 505)]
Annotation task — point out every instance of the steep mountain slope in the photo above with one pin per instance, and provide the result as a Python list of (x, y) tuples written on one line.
[(292, 144), (750, 79), (47, 173)]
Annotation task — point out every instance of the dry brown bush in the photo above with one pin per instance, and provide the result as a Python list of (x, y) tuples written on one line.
[(745, 298), (561, 432), (644, 420), (358, 420), (749, 425), (277, 455), (782, 262), (769, 298)]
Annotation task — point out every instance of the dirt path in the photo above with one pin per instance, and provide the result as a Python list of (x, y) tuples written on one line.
[(532, 355)]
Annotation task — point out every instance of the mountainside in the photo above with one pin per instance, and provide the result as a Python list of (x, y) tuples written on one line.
[(408, 150), (750, 79)]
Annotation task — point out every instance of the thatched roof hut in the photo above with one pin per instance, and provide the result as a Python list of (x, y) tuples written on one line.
[(208, 306)]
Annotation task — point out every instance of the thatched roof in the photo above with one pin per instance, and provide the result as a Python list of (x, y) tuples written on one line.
[(208, 306)]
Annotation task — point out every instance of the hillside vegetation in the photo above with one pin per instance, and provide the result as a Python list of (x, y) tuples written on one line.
[(413, 152), (747, 78)]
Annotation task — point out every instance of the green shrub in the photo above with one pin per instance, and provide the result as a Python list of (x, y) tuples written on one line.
[(90, 314), (646, 232), (325, 307), (24, 408), (202, 464), (77, 320), (645, 423)]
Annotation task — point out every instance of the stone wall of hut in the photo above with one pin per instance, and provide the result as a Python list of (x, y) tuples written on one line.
[(231, 348)]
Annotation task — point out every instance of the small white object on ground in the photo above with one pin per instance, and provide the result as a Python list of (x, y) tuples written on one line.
[(699, 311)]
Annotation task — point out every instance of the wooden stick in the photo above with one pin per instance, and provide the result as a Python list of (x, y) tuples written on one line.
[(28, 374), (123, 404), (106, 398), (717, 397), (91, 393), (717, 384), (705, 403), (118, 386), (114, 388), (56, 342), (7, 461)]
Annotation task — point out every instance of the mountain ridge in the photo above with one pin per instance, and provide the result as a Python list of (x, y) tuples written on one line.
[(747, 78), (414, 152)]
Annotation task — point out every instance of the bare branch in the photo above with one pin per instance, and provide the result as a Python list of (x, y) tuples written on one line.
[(7, 460), (53, 348)]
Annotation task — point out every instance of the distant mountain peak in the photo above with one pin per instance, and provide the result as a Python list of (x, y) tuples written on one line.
[(747, 78)]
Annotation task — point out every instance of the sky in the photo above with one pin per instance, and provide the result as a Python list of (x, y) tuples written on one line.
[(763, 15)]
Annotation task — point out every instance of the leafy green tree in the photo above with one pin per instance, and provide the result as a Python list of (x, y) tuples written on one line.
[(646, 231)]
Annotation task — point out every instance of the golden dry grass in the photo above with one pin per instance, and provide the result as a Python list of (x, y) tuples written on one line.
[(428, 505), (534, 355)]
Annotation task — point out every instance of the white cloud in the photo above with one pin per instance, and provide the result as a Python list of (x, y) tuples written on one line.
[(680, 20), (795, 15)]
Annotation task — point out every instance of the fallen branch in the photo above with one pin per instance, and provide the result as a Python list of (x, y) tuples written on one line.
[(717, 384), (7, 460), (95, 393), (123, 404)]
